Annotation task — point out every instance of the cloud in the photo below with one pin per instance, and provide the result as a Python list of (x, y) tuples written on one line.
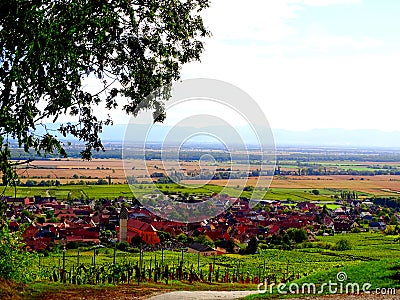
[(325, 2), (330, 43), (256, 20), (302, 79)]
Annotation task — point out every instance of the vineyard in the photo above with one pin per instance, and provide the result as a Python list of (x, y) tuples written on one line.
[(106, 265), (101, 265)]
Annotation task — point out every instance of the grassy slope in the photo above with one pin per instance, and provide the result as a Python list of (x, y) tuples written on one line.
[(379, 274)]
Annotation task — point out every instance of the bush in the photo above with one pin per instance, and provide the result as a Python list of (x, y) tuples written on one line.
[(315, 192), (123, 246), (15, 262), (343, 245), (72, 245), (252, 246)]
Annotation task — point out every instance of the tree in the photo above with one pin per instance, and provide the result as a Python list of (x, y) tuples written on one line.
[(182, 238), (252, 246), (390, 230), (163, 236), (343, 245), (130, 49), (298, 235), (123, 246), (393, 220), (15, 262), (315, 192), (204, 240)]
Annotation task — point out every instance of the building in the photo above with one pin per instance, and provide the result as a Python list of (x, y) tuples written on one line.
[(201, 249), (123, 222), (146, 232)]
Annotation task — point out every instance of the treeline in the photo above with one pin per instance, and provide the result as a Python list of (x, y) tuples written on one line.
[(318, 171), (304, 157), (116, 153), (361, 156), (31, 182), (178, 176), (390, 202)]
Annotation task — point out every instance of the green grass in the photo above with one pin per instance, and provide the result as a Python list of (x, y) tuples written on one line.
[(330, 206), (114, 191), (45, 289), (377, 274), (374, 258), (297, 194), (368, 245)]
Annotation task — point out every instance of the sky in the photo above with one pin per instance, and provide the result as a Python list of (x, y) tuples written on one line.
[(309, 64)]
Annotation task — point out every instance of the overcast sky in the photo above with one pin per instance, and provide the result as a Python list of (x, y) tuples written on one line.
[(309, 63)]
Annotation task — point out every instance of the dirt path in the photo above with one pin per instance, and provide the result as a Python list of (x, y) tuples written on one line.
[(203, 295), (353, 297), (213, 295)]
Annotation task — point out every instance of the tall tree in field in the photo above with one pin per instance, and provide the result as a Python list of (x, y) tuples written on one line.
[(51, 49)]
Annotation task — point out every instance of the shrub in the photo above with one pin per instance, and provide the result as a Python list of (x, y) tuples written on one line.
[(343, 245), (315, 192), (123, 246), (15, 262)]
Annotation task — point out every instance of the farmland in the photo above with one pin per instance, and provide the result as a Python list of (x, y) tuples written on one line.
[(369, 253), (294, 181), (295, 189), (298, 171), (114, 191)]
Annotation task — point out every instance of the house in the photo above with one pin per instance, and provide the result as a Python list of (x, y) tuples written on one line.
[(366, 215), (274, 230), (377, 226), (20, 201), (137, 228), (203, 250), (342, 226), (354, 225), (224, 246)]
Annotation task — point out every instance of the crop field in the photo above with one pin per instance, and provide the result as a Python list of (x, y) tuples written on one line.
[(373, 259), (297, 188), (280, 189), (384, 185), (303, 262), (116, 190), (72, 169)]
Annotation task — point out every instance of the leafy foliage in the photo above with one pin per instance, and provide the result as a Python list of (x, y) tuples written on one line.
[(343, 245), (52, 49), (15, 262)]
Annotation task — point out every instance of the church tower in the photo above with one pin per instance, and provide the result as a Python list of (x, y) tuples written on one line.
[(123, 220)]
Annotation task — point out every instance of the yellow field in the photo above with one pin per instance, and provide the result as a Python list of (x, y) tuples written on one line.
[(65, 169)]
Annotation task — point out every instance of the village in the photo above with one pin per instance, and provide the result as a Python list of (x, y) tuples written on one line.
[(46, 222)]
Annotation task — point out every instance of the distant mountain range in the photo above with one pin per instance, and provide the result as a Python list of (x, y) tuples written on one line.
[(316, 137)]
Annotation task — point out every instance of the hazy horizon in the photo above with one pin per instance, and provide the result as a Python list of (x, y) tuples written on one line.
[(324, 137)]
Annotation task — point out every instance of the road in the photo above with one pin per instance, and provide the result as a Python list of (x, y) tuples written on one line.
[(203, 295)]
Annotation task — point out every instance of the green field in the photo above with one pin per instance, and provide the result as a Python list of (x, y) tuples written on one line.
[(64, 192), (297, 194), (374, 259), (339, 165), (306, 261)]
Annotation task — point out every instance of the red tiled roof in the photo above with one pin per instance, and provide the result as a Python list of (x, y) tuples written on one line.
[(142, 226)]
